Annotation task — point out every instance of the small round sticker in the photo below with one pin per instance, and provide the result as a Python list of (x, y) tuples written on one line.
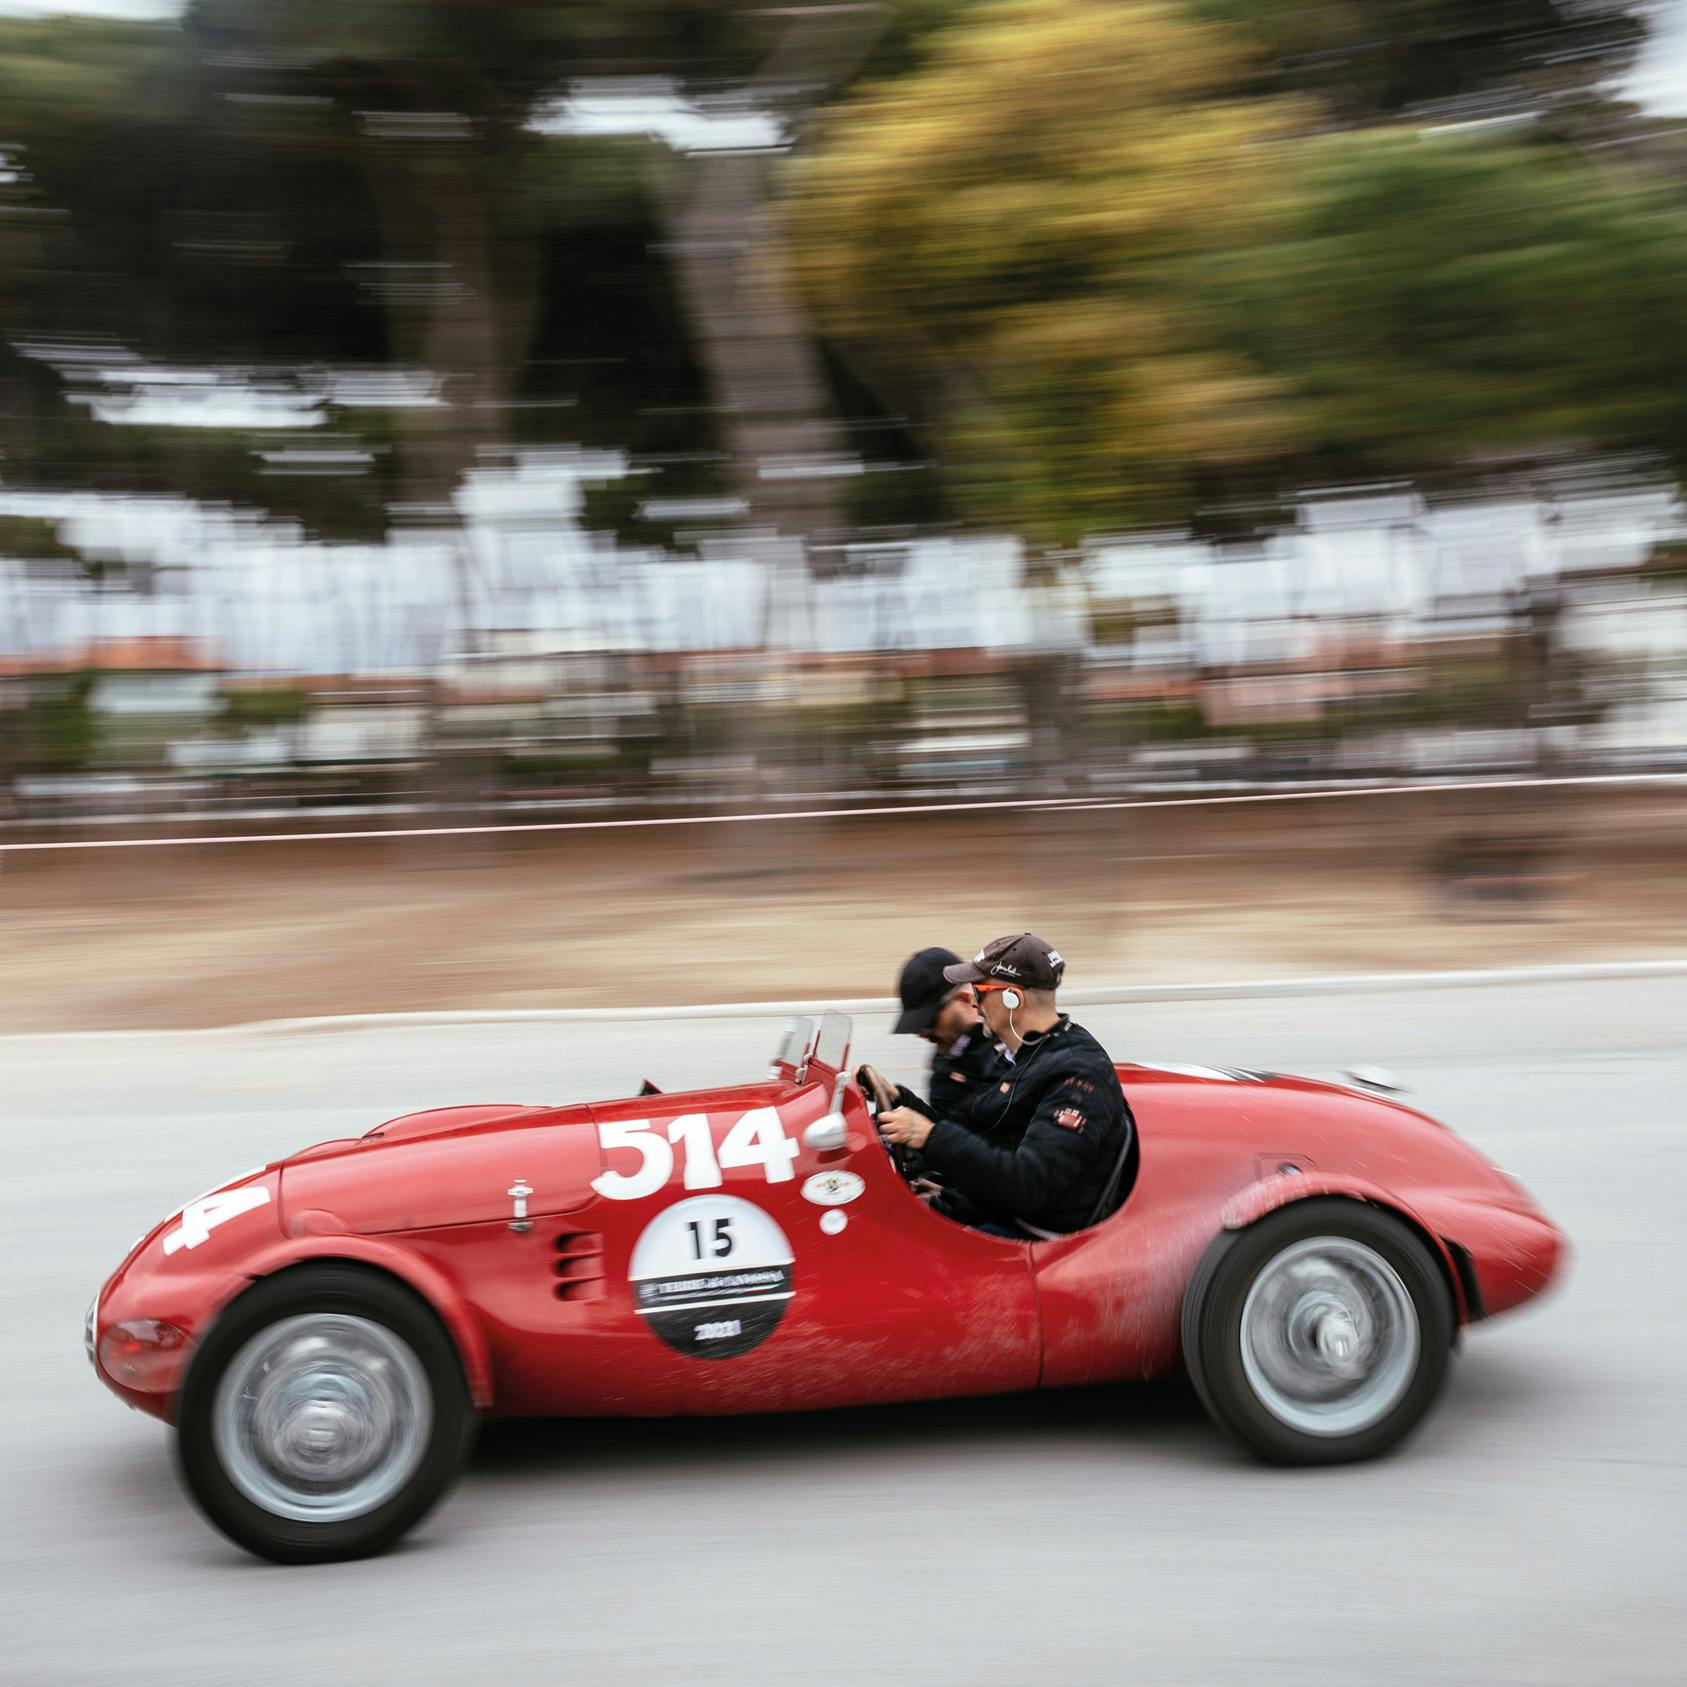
[(834, 1189), (712, 1276)]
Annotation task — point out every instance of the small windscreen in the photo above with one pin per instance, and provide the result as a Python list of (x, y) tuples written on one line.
[(831, 1048), (794, 1045)]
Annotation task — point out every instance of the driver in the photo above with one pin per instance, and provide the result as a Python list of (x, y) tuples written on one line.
[(965, 1066), (1046, 1154)]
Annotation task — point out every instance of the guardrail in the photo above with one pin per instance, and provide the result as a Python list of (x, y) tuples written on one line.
[(1068, 805)]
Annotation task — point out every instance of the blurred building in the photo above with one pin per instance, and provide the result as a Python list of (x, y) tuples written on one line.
[(520, 658)]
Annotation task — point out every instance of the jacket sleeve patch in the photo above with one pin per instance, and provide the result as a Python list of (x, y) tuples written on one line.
[(1069, 1118)]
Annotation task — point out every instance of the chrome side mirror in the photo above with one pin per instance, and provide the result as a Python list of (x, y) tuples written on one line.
[(827, 1134)]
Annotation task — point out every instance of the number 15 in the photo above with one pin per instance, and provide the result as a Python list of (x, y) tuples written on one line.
[(722, 1238)]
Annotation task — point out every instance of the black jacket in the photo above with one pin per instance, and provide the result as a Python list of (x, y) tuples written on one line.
[(1044, 1147)]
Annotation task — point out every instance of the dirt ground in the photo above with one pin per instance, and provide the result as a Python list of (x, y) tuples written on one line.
[(221, 935)]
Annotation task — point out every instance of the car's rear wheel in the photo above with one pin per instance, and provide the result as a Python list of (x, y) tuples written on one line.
[(1319, 1335), (324, 1415)]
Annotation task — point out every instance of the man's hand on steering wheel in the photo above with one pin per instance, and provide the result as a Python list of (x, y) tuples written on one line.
[(902, 1127)]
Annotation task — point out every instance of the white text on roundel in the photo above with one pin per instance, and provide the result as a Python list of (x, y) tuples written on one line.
[(712, 1276)]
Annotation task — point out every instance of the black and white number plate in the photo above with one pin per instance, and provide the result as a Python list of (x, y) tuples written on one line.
[(712, 1276)]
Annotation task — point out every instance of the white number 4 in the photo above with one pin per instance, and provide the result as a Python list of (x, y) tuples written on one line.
[(201, 1217), (759, 1139)]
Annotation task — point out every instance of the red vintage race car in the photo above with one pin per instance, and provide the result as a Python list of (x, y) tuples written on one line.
[(325, 1332)]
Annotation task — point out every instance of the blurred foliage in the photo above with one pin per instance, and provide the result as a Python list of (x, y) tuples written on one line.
[(28, 536), (1438, 297), (1112, 726), (1023, 221), (295, 186), (1084, 263), (1370, 59), (60, 732), (1129, 288), (292, 187), (261, 708)]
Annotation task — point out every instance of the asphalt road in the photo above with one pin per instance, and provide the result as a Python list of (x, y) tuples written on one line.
[(1532, 1534)]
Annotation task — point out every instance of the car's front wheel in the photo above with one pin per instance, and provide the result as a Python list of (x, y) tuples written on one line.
[(325, 1413), (1321, 1334)]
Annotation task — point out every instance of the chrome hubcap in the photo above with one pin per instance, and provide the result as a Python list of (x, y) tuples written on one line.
[(1329, 1336), (322, 1417)]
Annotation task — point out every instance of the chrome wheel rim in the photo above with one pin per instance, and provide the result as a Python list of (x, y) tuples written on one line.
[(1329, 1336), (322, 1417)]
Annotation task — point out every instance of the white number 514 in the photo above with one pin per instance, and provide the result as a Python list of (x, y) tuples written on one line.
[(757, 1139)]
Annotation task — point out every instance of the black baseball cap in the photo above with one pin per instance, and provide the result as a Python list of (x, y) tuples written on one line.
[(922, 988), (1020, 959)]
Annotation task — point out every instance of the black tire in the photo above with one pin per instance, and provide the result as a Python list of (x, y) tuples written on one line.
[(1233, 1387), (330, 1289)]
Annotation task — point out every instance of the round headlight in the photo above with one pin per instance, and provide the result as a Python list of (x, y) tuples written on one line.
[(144, 1354)]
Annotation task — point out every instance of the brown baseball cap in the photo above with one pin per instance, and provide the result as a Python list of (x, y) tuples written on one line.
[(1021, 959)]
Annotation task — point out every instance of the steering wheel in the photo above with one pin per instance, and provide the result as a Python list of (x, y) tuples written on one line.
[(897, 1151)]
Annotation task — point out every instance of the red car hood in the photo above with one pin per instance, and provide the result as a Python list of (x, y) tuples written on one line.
[(450, 1165), (459, 1165)]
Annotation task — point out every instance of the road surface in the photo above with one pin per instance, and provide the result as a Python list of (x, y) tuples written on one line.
[(1532, 1534)]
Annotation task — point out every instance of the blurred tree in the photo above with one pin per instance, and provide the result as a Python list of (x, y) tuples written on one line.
[(1437, 297), (136, 229), (289, 187), (294, 186), (1012, 234), (1373, 59), (1113, 286)]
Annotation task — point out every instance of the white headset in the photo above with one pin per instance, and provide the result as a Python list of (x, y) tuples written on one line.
[(1011, 999)]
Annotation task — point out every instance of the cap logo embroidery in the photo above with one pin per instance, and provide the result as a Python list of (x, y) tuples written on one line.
[(1002, 970), (1054, 958)]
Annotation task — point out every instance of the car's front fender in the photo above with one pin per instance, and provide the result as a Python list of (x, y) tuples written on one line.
[(396, 1260), (1270, 1194)]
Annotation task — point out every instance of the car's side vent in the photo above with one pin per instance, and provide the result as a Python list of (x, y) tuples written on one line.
[(579, 1266)]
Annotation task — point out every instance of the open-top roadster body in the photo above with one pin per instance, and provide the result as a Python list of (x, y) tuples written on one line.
[(323, 1333)]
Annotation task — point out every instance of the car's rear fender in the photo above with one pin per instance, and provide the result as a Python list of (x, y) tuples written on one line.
[(415, 1273), (1270, 1194)]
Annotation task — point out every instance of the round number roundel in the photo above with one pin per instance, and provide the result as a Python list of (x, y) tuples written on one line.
[(712, 1276)]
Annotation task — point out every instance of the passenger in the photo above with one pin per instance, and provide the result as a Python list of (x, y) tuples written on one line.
[(1047, 1153)]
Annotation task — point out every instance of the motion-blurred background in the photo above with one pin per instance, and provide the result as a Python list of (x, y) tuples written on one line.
[(1249, 432), (417, 413)]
